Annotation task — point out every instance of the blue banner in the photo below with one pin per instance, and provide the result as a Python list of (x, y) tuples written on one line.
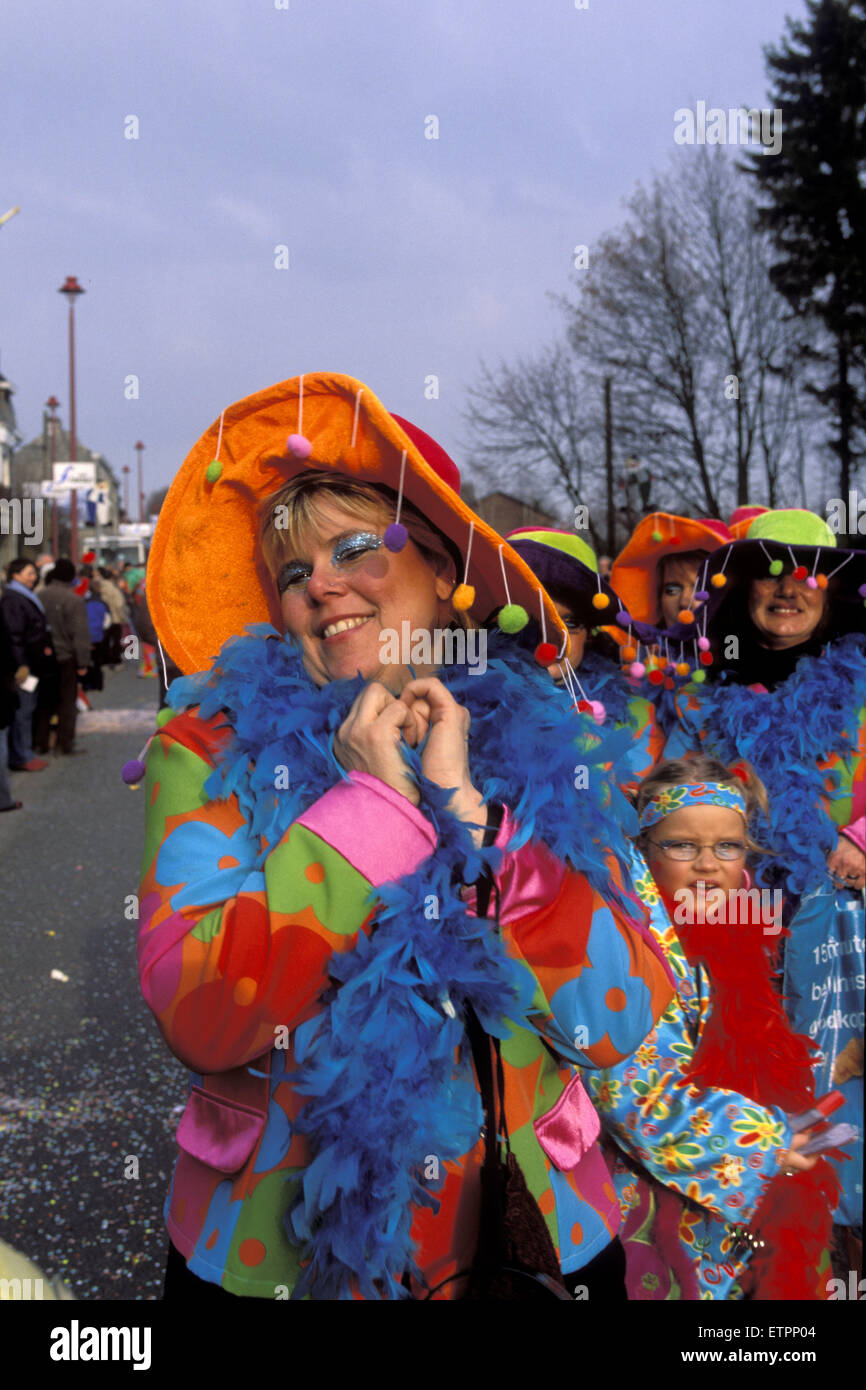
[(824, 979)]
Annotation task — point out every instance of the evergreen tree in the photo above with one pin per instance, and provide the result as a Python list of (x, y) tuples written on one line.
[(815, 205)]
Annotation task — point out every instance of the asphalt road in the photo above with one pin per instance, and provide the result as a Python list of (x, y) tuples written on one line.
[(86, 1081)]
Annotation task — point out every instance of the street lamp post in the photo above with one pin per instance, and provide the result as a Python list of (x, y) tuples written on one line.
[(138, 449), (126, 472), (51, 406), (72, 289)]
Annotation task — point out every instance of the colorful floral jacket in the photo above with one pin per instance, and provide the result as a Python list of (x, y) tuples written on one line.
[(716, 1148), (234, 958)]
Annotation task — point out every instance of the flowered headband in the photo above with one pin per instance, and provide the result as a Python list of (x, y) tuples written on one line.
[(671, 799)]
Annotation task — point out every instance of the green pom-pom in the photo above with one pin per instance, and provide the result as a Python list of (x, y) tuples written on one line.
[(776, 566), (699, 677), (657, 535), (164, 716), (512, 618), (213, 471)]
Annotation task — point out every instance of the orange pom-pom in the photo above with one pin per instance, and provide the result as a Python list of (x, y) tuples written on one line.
[(719, 581), (600, 601), (822, 581), (685, 615), (463, 597), (683, 668), (628, 653)]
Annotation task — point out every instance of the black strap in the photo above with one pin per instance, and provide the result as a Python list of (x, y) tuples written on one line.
[(491, 1224)]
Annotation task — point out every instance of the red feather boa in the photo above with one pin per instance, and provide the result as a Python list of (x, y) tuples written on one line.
[(749, 1046)]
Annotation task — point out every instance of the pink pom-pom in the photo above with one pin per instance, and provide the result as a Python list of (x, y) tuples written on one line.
[(299, 446), (704, 644), (396, 536), (598, 711), (637, 669), (132, 772), (811, 582)]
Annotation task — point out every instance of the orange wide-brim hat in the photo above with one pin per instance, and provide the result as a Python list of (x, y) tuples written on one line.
[(207, 579), (634, 573)]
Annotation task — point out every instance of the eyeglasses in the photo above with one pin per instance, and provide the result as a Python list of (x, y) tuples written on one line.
[(349, 550), (684, 850)]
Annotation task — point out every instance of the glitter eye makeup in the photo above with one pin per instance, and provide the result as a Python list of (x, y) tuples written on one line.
[(293, 576), (348, 549)]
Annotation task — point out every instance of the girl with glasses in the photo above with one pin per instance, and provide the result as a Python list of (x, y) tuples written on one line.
[(717, 1199)]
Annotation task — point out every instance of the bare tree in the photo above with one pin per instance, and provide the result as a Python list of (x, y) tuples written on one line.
[(767, 406), (677, 308), (532, 429)]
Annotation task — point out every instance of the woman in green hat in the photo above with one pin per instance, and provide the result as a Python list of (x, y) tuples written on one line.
[(568, 569), (787, 692)]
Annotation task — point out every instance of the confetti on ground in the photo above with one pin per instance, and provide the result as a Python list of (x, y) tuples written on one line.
[(117, 721)]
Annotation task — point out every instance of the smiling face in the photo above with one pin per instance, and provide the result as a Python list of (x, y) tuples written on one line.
[(341, 590), (703, 825), (27, 576), (784, 611)]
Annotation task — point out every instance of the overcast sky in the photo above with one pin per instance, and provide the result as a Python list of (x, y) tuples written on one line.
[(261, 126)]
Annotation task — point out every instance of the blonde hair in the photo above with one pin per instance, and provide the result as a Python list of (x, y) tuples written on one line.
[(301, 498), (698, 767)]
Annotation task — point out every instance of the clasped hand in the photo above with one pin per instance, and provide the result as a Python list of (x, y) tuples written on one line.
[(370, 736)]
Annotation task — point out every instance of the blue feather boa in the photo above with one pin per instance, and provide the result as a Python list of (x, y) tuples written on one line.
[(377, 1062), (784, 733)]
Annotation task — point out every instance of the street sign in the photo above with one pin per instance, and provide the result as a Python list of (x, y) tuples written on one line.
[(75, 474), (48, 489)]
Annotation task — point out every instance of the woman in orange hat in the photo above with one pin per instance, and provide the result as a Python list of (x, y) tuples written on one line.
[(351, 786), (657, 573), (660, 578)]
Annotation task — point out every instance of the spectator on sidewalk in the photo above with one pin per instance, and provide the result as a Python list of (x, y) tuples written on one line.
[(8, 706), (98, 619), (44, 566), (112, 596), (67, 614), (25, 619)]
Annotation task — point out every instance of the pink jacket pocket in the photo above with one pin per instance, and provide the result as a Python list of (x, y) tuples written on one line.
[(570, 1129), (220, 1133)]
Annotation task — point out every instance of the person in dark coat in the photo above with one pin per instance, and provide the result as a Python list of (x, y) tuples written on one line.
[(24, 615), (8, 706), (67, 614)]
